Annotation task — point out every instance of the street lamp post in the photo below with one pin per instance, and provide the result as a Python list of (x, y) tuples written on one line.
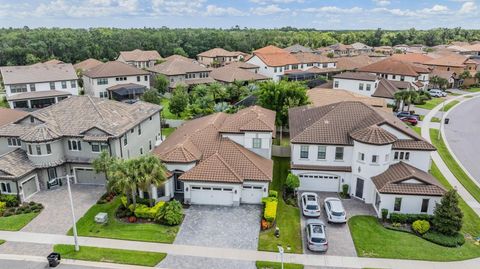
[(280, 250), (75, 236), (442, 119)]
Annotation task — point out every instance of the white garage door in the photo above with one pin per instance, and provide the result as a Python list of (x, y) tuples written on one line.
[(211, 195), (319, 182), (252, 194), (29, 187), (88, 176)]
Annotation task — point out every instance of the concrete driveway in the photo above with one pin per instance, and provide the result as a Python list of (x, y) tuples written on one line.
[(340, 241), (217, 226)]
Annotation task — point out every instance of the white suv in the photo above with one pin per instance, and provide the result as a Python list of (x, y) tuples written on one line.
[(437, 93)]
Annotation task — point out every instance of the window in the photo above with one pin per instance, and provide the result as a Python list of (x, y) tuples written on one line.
[(425, 203), (103, 95), (324, 65), (64, 84), (52, 85), (138, 78), (394, 76), (145, 78), (38, 149), (6, 187), (125, 140), (360, 86), (73, 84), (274, 70), (98, 147), (402, 78), (102, 81), (257, 143), (374, 158), (401, 155), (150, 144), (121, 78), (339, 153), (139, 129), (141, 151), (30, 152), (32, 87), (14, 142), (369, 87), (322, 152), (74, 145), (335, 84), (304, 152), (49, 149), (398, 204), (361, 156), (18, 88)]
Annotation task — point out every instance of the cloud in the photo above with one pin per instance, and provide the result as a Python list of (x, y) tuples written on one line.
[(468, 7), (265, 2), (382, 2), (213, 10), (333, 10), (268, 10), (82, 9), (177, 7), (436, 9)]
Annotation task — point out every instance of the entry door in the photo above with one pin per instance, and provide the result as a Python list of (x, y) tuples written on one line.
[(178, 183), (359, 188)]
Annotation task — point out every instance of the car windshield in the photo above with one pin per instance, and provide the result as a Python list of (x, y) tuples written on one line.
[(311, 198), (318, 240), (312, 207), (337, 214)]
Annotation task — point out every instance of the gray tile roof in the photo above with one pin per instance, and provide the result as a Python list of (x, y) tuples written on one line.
[(15, 164), (37, 73), (178, 66), (114, 69)]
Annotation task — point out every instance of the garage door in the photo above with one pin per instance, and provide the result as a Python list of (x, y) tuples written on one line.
[(318, 182), (88, 176), (211, 195), (29, 187), (252, 194)]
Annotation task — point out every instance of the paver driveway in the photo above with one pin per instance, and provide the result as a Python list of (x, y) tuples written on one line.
[(217, 226), (340, 241), (56, 216)]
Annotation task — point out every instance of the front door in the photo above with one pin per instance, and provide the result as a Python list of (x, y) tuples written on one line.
[(359, 188), (178, 182), (52, 173)]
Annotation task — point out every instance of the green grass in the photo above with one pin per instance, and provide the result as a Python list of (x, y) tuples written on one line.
[(450, 105), (435, 119), (454, 167), (430, 104), (277, 265), (150, 232), (288, 217), (16, 222), (285, 141), (2, 241), (167, 131), (373, 240), (167, 114), (3, 103), (132, 257), (417, 129), (473, 90)]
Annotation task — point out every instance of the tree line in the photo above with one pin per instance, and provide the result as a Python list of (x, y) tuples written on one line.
[(22, 46)]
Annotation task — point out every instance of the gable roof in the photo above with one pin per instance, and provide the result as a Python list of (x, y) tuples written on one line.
[(385, 89), (113, 69), (418, 58), (392, 66), (87, 64), (392, 181), (138, 55), (243, 65), (37, 73), (360, 46), (275, 56), (230, 74), (453, 60), (178, 66), (219, 52)]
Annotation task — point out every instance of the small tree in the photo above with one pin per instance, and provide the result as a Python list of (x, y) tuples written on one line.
[(179, 100), (448, 218), (466, 74), (161, 83), (330, 55), (477, 76), (151, 96), (292, 182), (104, 164)]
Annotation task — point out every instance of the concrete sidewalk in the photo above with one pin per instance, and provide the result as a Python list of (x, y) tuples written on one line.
[(238, 254)]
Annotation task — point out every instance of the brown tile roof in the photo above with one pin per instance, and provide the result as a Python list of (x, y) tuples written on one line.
[(15, 164), (39, 94), (392, 66), (403, 85), (332, 124), (353, 63), (385, 89), (357, 76), (321, 168), (37, 73), (453, 60), (243, 65), (178, 66), (407, 144), (230, 74), (87, 64), (41, 133), (8, 115), (308, 57), (374, 135), (274, 56), (219, 52), (323, 96), (175, 56), (392, 181), (53, 61), (113, 69), (254, 118), (418, 58), (140, 55)]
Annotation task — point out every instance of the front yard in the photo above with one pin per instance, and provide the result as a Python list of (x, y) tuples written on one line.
[(16, 222), (288, 217), (116, 229), (277, 265), (430, 104)]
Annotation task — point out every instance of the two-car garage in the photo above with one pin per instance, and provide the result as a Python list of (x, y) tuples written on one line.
[(225, 194), (319, 182), (209, 195)]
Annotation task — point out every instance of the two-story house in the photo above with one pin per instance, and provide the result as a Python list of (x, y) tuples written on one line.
[(140, 58), (220, 159), (115, 80), (381, 160), (39, 85), (451, 66), (65, 138), (218, 57), (183, 71)]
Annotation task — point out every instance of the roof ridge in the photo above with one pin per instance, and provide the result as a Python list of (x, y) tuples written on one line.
[(95, 107), (226, 164), (238, 146)]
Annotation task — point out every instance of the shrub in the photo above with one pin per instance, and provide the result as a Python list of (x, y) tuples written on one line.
[(132, 219), (270, 212), (448, 218), (10, 200), (145, 212), (273, 193), (292, 182), (345, 190), (145, 201), (421, 226), (123, 199), (384, 214), (3, 206), (408, 218), (171, 213), (445, 240)]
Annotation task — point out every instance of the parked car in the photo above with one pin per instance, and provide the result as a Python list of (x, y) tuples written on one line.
[(334, 210), (411, 120), (316, 235), (437, 93), (407, 114), (310, 205)]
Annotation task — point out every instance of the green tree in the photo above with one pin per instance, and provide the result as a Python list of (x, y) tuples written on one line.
[(447, 217), (477, 76), (217, 91), (180, 51), (236, 91), (179, 100), (120, 180), (151, 96), (103, 164), (150, 171), (161, 83), (292, 182), (466, 74)]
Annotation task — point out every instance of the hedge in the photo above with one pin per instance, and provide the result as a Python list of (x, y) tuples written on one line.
[(145, 212), (10, 200), (409, 218), (270, 210), (445, 240)]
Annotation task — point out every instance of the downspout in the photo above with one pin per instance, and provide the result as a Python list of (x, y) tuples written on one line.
[(18, 191)]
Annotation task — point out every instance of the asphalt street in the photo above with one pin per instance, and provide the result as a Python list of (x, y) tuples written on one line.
[(10, 264)]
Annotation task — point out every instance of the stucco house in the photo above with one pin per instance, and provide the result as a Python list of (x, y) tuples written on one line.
[(230, 74), (218, 57), (381, 160), (140, 58), (65, 138), (451, 66), (39, 85), (220, 159)]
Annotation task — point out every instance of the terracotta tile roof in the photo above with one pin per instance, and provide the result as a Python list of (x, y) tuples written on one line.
[(308, 57), (254, 118), (243, 65), (454, 60), (393, 181), (360, 46), (324, 96), (403, 85), (353, 63), (298, 48), (419, 58), (178, 66), (321, 168), (230, 74), (138, 55), (374, 135), (113, 69), (407, 144), (443, 73), (87, 64), (39, 94), (392, 66), (175, 56), (219, 52), (357, 76), (37, 73), (8, 115), (274, 56), (385, 89), (15, 164)]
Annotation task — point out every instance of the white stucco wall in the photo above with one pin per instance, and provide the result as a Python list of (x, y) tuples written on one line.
[(45, 86), (93, 89), (330, 156), (352, 85), (411, 204)]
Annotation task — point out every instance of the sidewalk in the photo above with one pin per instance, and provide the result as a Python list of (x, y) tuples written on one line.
[(238, 254), (474, 204)]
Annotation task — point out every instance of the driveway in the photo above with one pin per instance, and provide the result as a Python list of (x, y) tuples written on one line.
[(340, 241), (217, 226), (56, 218)]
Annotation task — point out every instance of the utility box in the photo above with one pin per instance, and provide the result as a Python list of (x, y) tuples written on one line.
[(101, 218)]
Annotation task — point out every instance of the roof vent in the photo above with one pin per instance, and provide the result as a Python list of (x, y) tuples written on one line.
[(326, 121)]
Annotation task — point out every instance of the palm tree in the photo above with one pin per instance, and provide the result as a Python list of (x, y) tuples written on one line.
[(400, 97), (103, 164), (150, 172), (410, 96), (120, 179)]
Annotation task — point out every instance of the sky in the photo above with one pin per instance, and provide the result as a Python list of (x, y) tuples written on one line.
[(318, 14)]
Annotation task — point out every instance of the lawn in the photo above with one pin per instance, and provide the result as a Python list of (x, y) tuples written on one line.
[(132, 257), (167, 131), (417, 129), (277, 265), (150, 232), (454, 167), (285, 141), (450, 105), (2, 241), (430, 104), (167, 114), (16, 222), (288, 217), (473, 90)]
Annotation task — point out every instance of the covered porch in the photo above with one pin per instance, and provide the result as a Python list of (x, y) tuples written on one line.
[(126, 92), (36, 100)]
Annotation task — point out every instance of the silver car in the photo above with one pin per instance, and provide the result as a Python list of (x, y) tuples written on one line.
[(316, 235), (334, 210), (310, 205)]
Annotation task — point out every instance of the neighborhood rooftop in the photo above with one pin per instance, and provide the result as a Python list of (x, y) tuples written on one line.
[(37, 73), (113, 69), (140, 55)]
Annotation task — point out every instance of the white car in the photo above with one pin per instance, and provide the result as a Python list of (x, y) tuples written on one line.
[(437, 93), (334, 210), (310, 205), (316, 235)]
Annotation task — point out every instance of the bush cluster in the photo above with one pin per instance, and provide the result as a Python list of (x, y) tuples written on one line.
[(409, 218), (106, 198), (171, 213), (270, 211), (24, 208), (3, 206), (421, 226), (144, 212), (10, 200), (445, 240)]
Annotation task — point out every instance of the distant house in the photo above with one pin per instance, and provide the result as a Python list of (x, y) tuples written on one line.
[(140, 58), (298, 48), (219, 57), (324, 96), (452, 66), (339, 50), (39, 85), (415, 58), (87, 64), (245, 66), (361, 48), (183, 71), (229, 74), (385, 50), (354, 62), (116, 80)]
